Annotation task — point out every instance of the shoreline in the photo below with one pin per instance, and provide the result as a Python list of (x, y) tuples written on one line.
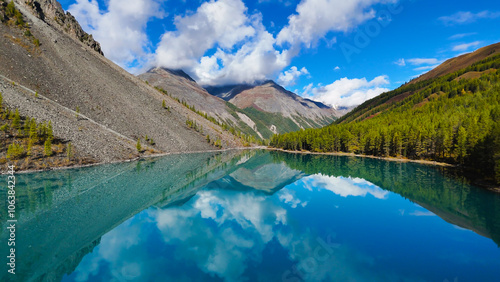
[(490, 186), (393, 159), (485, 185), (129, 160)]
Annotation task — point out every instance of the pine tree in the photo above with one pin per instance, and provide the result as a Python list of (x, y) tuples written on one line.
[(398, 145), (48, 147), (69, 151), (27, 126), (138, 145), (42, 131), (461, 144), (16, 120), (30, 147), (163, 104), (15, 151), (33, 131)]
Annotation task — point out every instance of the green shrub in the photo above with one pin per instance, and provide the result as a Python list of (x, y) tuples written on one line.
[(33, 131), (138, 145), (48, 147), (27, 126), (30, 148), (10, 10), (15, 151), (69, 151), (4, 128), (16, 120)]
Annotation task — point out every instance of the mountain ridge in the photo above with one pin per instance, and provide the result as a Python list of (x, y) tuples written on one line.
[(460, 62), (260, 121), (387, 100)]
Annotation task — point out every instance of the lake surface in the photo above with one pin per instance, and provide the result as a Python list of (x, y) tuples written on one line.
[(253, 216)]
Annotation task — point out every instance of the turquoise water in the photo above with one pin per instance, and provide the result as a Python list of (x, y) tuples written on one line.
[(253, 216)]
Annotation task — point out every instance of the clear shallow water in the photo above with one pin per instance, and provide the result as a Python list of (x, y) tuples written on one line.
[(254, 216)]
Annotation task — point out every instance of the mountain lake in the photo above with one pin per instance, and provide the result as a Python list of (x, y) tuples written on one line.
[(252, 215)]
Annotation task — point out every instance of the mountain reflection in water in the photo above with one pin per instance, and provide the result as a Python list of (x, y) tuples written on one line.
[(254, 216)]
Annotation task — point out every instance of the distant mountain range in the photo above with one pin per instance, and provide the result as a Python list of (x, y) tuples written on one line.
[(261, 110)]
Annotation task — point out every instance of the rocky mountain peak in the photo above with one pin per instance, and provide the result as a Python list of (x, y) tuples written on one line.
[(174, 72), (51, 12)]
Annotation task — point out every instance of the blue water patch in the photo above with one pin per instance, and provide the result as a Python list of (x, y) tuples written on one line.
[(259, 216)]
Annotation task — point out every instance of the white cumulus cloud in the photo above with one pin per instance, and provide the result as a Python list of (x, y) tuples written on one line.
[(244, 53), (287, 78), (347, 92), (346, 186), (220, 42), (121, 29), (315, 18), (223, 22)]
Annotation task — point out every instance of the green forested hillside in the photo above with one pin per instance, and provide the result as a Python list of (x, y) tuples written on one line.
[(453, 118)]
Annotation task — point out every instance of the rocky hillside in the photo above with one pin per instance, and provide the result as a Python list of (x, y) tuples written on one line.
[(270, 98), (179, 85), (261, 110), (51, 12), (52, 73)]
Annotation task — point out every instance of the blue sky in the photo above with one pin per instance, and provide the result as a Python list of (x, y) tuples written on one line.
[(340, 52)]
